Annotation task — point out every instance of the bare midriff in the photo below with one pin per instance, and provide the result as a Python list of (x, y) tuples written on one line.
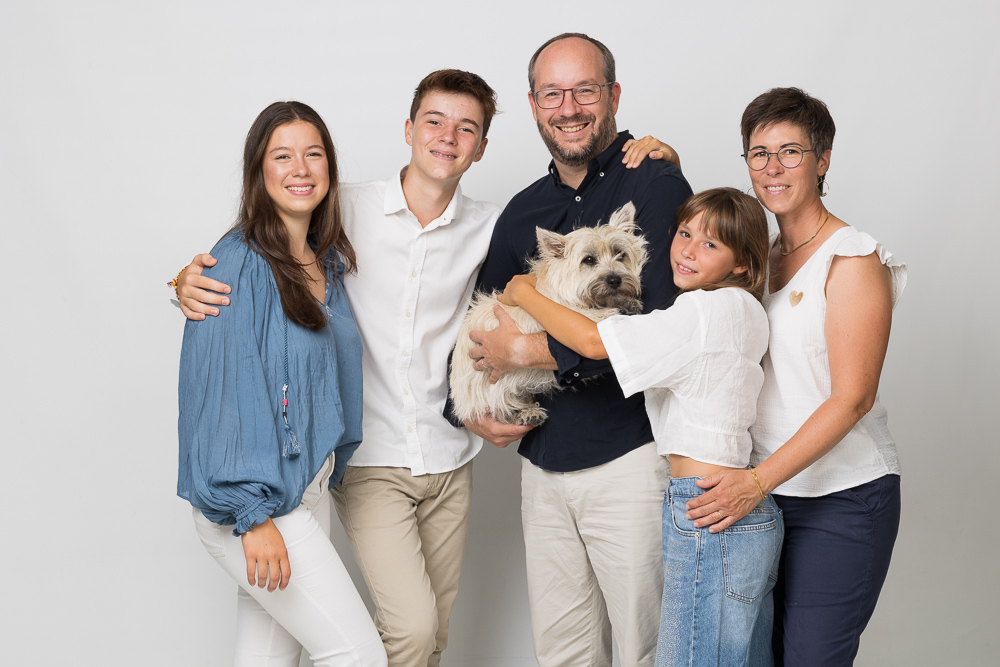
[(683, 466)]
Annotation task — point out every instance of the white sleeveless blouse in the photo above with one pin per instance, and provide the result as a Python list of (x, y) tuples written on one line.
[(797, 376)]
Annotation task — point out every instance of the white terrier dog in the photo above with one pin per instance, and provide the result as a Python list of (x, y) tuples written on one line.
[(593, 270)]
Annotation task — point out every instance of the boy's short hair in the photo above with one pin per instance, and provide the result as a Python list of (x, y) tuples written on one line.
[(457, 82)]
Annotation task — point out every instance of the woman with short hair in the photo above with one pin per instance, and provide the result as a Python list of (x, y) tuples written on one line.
[(821, 442)]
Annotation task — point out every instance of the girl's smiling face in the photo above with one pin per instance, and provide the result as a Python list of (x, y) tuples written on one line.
[(296, 172), (698, 258)]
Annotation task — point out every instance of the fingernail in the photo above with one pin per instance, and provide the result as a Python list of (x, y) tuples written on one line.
[(215, 311), (225, 302), (228, 290)]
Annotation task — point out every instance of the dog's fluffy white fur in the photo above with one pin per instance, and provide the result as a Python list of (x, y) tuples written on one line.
[(593, 270)]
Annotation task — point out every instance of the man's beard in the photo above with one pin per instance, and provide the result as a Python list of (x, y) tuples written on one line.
[(602, 136)]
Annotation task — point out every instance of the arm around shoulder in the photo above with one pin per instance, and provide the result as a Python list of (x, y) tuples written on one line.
[(197, 294)]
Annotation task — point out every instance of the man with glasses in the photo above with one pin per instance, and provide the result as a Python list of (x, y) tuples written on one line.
[(406, 496), (592, 482)]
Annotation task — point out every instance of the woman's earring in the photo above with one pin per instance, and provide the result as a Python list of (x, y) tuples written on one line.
[(824, 188)]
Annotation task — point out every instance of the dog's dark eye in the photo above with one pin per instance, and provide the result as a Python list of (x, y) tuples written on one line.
[(589, 260)]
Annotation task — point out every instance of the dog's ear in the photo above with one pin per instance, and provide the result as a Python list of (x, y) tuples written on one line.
[(550, 244), (624, 218)]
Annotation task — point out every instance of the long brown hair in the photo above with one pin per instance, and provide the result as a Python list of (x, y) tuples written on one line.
[(263, 229), (739, 222)]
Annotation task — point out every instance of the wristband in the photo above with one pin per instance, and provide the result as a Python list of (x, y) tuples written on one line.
[(173, 283)]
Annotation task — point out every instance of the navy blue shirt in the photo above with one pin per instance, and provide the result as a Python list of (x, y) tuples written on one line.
[(590, 422)]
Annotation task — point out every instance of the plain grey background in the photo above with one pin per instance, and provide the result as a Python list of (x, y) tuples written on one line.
[(123, 125)]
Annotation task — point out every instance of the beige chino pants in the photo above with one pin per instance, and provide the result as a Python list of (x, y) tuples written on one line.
[(408, 535), (594, 551)]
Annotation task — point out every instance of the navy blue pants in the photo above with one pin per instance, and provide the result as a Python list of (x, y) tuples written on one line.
[(834, 562)]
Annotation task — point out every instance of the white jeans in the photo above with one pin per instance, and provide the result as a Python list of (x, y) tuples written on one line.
[(593, 543), (319, 610)]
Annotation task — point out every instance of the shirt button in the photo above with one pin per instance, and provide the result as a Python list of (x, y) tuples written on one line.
[(409, 429), (413, 274), (602, 174), (576, 375), (404, 353), (407, 313), (578, 197), (406, 392)]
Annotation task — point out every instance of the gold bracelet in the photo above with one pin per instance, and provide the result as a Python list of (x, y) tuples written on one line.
[(763, 496), (173, 283)]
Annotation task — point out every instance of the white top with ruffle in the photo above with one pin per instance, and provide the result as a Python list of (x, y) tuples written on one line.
[(797, 376)]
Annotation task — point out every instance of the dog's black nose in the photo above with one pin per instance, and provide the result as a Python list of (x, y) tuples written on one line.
[(613, 281)]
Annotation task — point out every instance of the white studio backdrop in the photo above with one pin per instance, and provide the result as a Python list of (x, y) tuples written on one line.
[(123, 127)]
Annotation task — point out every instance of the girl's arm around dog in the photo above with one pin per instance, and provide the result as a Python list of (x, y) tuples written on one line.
[(575, 331)]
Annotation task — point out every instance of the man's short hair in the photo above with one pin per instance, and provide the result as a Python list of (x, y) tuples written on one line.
[(457, 82), (609, 59)]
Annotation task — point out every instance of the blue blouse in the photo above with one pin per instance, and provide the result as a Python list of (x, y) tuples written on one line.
[(236, 464)]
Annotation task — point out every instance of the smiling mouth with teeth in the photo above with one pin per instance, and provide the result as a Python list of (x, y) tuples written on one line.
[(443, 155), (300, 188)]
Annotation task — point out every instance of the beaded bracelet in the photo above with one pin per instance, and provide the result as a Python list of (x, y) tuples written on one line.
[(173, 283)]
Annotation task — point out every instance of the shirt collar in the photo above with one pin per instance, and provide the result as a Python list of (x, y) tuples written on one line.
[(395, 200), (600, 163)]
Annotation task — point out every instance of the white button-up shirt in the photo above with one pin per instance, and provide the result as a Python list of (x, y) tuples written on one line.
[(409, 295)]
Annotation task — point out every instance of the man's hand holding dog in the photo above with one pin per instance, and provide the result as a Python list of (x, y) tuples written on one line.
[(498, 433), (506, 348)]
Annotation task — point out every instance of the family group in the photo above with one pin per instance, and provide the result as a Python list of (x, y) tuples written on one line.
[(714, 483)]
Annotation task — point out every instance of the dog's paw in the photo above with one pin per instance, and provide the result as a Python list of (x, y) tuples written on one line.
[(631, 307), (533, 416)]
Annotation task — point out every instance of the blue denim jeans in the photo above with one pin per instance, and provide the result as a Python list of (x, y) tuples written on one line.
[(717, 594)]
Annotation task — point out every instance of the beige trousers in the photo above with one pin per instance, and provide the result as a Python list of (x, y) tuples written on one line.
[(408, 536), (593, 542)]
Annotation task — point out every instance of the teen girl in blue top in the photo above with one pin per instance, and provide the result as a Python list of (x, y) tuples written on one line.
[(698, 363), (270, 403)]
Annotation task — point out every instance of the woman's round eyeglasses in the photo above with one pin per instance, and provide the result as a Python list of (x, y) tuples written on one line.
[(790, 157)]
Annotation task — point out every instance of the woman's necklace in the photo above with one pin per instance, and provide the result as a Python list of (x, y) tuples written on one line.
[(786, 254)]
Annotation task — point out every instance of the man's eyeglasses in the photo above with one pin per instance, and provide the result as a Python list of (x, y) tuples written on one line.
[(790, 157), (552, 98)]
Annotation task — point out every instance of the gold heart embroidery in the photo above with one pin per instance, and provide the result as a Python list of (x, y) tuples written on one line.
[(794, 298)]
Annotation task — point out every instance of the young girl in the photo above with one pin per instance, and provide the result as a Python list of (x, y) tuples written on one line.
[(270, 404), (698, 363)]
